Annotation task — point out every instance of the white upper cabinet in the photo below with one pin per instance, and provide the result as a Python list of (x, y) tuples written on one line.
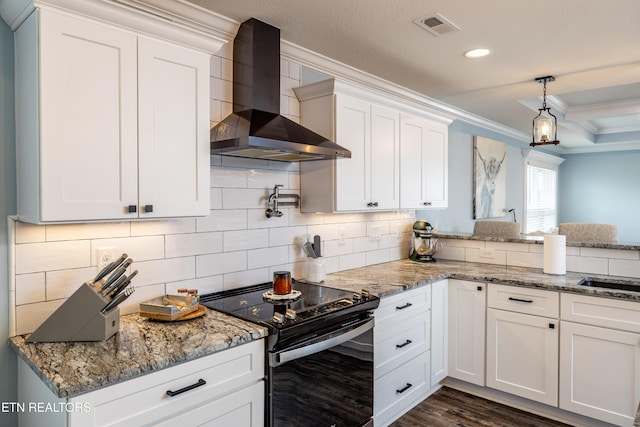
[(376, 131), (424, 158), (110, 125)]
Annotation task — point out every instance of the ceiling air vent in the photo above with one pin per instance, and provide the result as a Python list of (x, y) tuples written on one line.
[(437, 25)]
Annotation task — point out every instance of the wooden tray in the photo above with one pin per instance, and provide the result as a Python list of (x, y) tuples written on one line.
[(197, 311)]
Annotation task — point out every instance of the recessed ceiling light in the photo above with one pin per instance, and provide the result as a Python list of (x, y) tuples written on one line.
[(477, 53)]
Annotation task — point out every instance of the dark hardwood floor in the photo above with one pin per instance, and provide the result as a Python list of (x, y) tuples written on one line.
[(448, 407)]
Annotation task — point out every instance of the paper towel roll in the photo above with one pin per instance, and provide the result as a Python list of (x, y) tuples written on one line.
[(555, 254)]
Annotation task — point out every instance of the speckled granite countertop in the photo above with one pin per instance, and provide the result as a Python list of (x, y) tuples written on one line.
[(398, 276), (142, 346)]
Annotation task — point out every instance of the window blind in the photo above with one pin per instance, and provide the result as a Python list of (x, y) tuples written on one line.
[(542, 187)]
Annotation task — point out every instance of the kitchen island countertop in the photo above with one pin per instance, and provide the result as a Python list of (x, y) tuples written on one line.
[(142, 346)]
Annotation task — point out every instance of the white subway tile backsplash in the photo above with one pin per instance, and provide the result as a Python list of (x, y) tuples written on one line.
[(30, 288), (141, 248), (141, 294), (508, 246), (452, 253), (29, 233), (610, 253), (243, 239), (227, 69), (349, 261), (215, 196), (155, 228), (226, 262), (377, 257), (223, 220), (63, 283), (60, 232), (587, 265), (624, 267), (221, 90), (285, 235), (181, 245), (258, 258), (525, 259), (30, 316), (477, 255), (35, 257), (163, 271), (203, 285), (240, 198), (215, 67), (267, 179), (257, 218), (241, 278), (228, 177)]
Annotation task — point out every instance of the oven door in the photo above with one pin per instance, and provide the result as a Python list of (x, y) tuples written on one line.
[(324, 382)]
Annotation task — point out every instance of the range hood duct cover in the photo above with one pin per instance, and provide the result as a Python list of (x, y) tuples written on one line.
[(256, 129)]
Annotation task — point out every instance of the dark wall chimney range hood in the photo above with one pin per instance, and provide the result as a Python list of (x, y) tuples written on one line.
[(256, 129)]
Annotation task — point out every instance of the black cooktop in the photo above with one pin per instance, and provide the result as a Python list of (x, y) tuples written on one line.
[(315, 304)]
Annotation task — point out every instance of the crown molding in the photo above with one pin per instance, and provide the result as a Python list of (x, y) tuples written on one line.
[(176, 21)]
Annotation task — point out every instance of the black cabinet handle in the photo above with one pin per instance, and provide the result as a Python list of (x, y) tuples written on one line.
[(148, 208), (402, 307), (407, 342), (405, 388), (427, 203), (479, 288), (552, 326), (528, 301), (372, 204), (132, 209), (200, 383)]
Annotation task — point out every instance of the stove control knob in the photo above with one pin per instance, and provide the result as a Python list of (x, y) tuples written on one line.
[(365, 293), (290, 314), (278, 318), (357, 296)]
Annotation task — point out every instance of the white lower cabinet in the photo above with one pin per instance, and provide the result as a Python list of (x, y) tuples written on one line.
[(439, 331), (522, 349), (401, 354), (600, 358), (229, 390), (466, 326)]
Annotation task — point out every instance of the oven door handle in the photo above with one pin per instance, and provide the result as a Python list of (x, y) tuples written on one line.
[(277, 359)]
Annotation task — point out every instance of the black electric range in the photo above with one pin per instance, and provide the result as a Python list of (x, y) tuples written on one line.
[(314, 310)]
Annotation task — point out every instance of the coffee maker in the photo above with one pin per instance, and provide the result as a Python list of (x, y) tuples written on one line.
[(423, 244)]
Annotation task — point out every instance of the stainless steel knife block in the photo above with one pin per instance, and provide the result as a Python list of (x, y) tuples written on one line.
[(79, 319)]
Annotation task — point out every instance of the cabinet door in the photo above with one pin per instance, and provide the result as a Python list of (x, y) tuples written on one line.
[(599, 372), (173, 130), (467, 305), (437, 167), (353, 131), (522, 355), (439, 331), (423, 164), (384, 159), (88, 113)]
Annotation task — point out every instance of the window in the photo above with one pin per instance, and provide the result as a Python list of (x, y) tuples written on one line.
[(541, 192)]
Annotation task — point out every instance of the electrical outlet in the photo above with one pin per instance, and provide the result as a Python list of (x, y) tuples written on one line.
[(105, 256), (341, 236), (375, 232)]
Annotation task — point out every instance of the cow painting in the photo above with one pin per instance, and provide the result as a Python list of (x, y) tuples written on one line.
[(489, 178)]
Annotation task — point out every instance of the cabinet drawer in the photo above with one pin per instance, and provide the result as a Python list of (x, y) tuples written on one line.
[(523, 300), (222, 373), (399, 307), (399, 343), (610, 313), (396, 392)]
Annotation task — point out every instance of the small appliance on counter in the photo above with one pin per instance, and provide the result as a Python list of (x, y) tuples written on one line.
[(423, 245)]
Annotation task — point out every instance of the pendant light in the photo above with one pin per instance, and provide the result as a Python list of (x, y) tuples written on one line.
[(545, 124)]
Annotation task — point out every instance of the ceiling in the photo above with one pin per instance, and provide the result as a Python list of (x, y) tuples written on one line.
[(591, 47)]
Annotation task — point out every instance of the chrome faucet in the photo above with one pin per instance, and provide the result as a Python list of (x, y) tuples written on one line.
[(273, 198)]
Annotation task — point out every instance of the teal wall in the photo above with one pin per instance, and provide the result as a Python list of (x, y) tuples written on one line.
[(8, 388), (602, 188), (458, 217)]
